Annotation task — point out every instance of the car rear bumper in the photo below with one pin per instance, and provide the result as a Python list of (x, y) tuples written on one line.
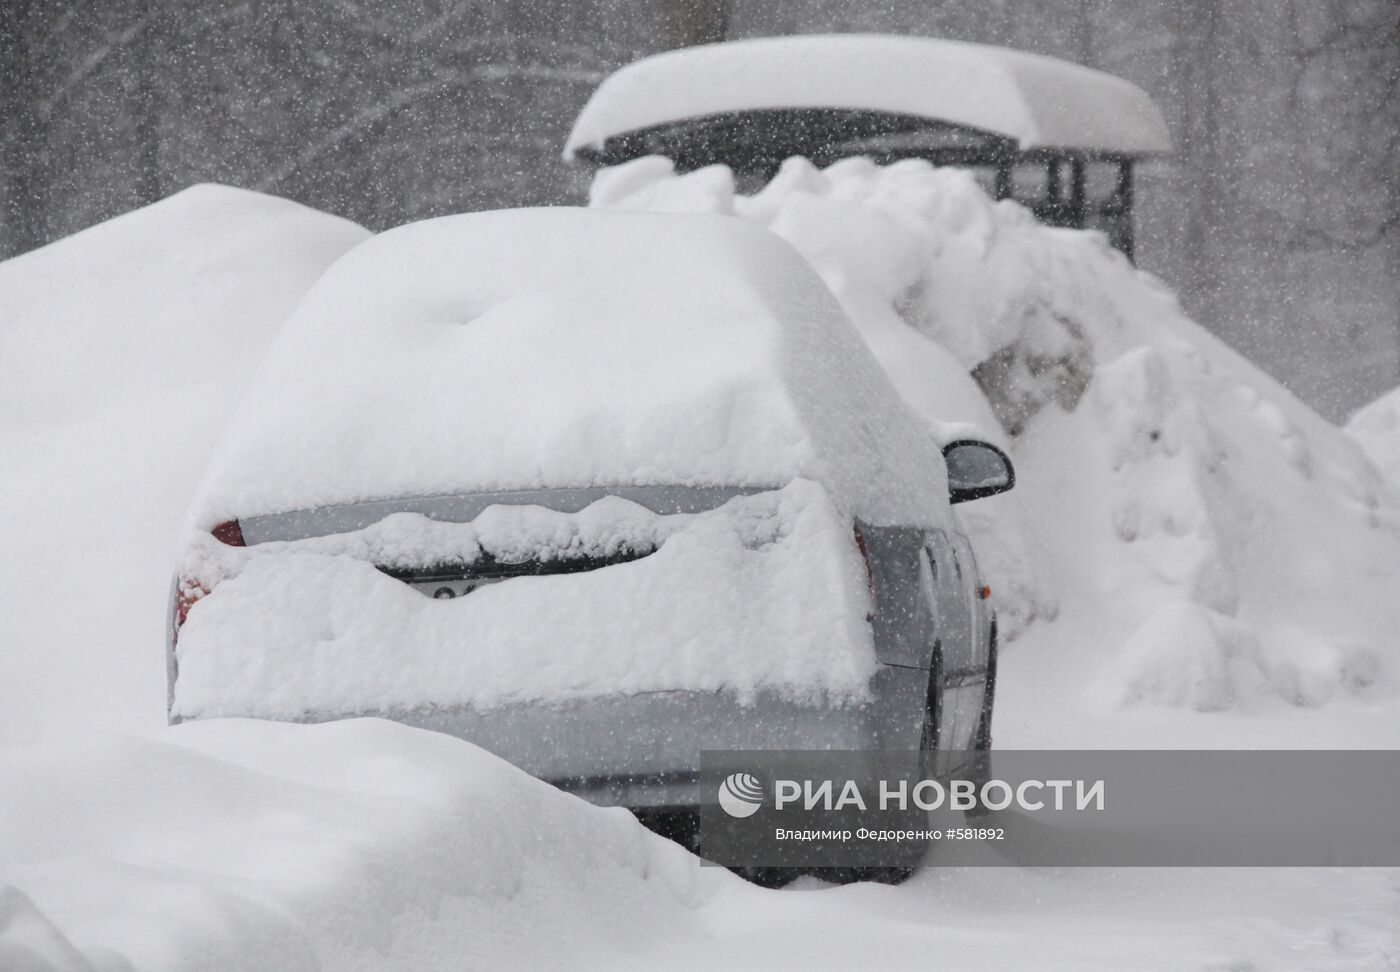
[(643, 750)]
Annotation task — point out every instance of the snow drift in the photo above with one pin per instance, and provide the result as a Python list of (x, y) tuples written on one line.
[(244, 846), (122, 349), (359, 844), (1206, 540)]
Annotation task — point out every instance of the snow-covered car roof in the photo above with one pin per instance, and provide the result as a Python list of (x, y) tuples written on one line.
[(563, 347), (1035, 101)]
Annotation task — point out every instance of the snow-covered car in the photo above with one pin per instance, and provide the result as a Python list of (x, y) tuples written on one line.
[(595, 491)]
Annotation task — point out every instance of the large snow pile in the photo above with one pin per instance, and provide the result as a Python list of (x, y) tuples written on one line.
[(366, 845), (1209, 541), (360, 844), (767, 592), (121, 350), (1377, 428), (566, 347)]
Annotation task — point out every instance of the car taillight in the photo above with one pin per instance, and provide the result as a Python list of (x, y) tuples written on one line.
[(185, 597), (229, 532)]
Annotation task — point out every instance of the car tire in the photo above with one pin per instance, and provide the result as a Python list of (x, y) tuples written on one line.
[(928, 741), (777, 877), (770, 877), (858, 875)]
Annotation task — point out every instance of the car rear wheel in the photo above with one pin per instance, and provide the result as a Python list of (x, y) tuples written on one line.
[(928, 742), (683, 828)]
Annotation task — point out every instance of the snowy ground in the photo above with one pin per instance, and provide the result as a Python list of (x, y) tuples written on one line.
[(228, 845), (366, 845)]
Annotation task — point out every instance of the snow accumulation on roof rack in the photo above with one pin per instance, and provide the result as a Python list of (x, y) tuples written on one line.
[(1030, 101)]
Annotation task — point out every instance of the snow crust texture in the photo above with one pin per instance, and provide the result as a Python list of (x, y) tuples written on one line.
[(1184, 532)]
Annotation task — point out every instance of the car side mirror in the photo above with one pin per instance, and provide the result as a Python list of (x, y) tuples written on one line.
[(976, 469)]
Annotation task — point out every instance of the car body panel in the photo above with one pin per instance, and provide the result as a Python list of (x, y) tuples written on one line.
[(726, 369), (643, 749), (905, 626)]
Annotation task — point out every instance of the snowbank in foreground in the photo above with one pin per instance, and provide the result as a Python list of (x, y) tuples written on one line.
[(1206, 540), (229, 845), (363, 844), (121, 351), (765, 593)]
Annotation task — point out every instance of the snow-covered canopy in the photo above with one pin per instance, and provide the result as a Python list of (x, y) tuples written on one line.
[(564, 347), (1035, 101)]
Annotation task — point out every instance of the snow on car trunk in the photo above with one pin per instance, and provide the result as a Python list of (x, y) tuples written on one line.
[(1200, 537), (555, 349), (765, 593)]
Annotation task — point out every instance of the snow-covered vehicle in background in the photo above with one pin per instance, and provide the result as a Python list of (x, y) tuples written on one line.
[(595, 491)]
